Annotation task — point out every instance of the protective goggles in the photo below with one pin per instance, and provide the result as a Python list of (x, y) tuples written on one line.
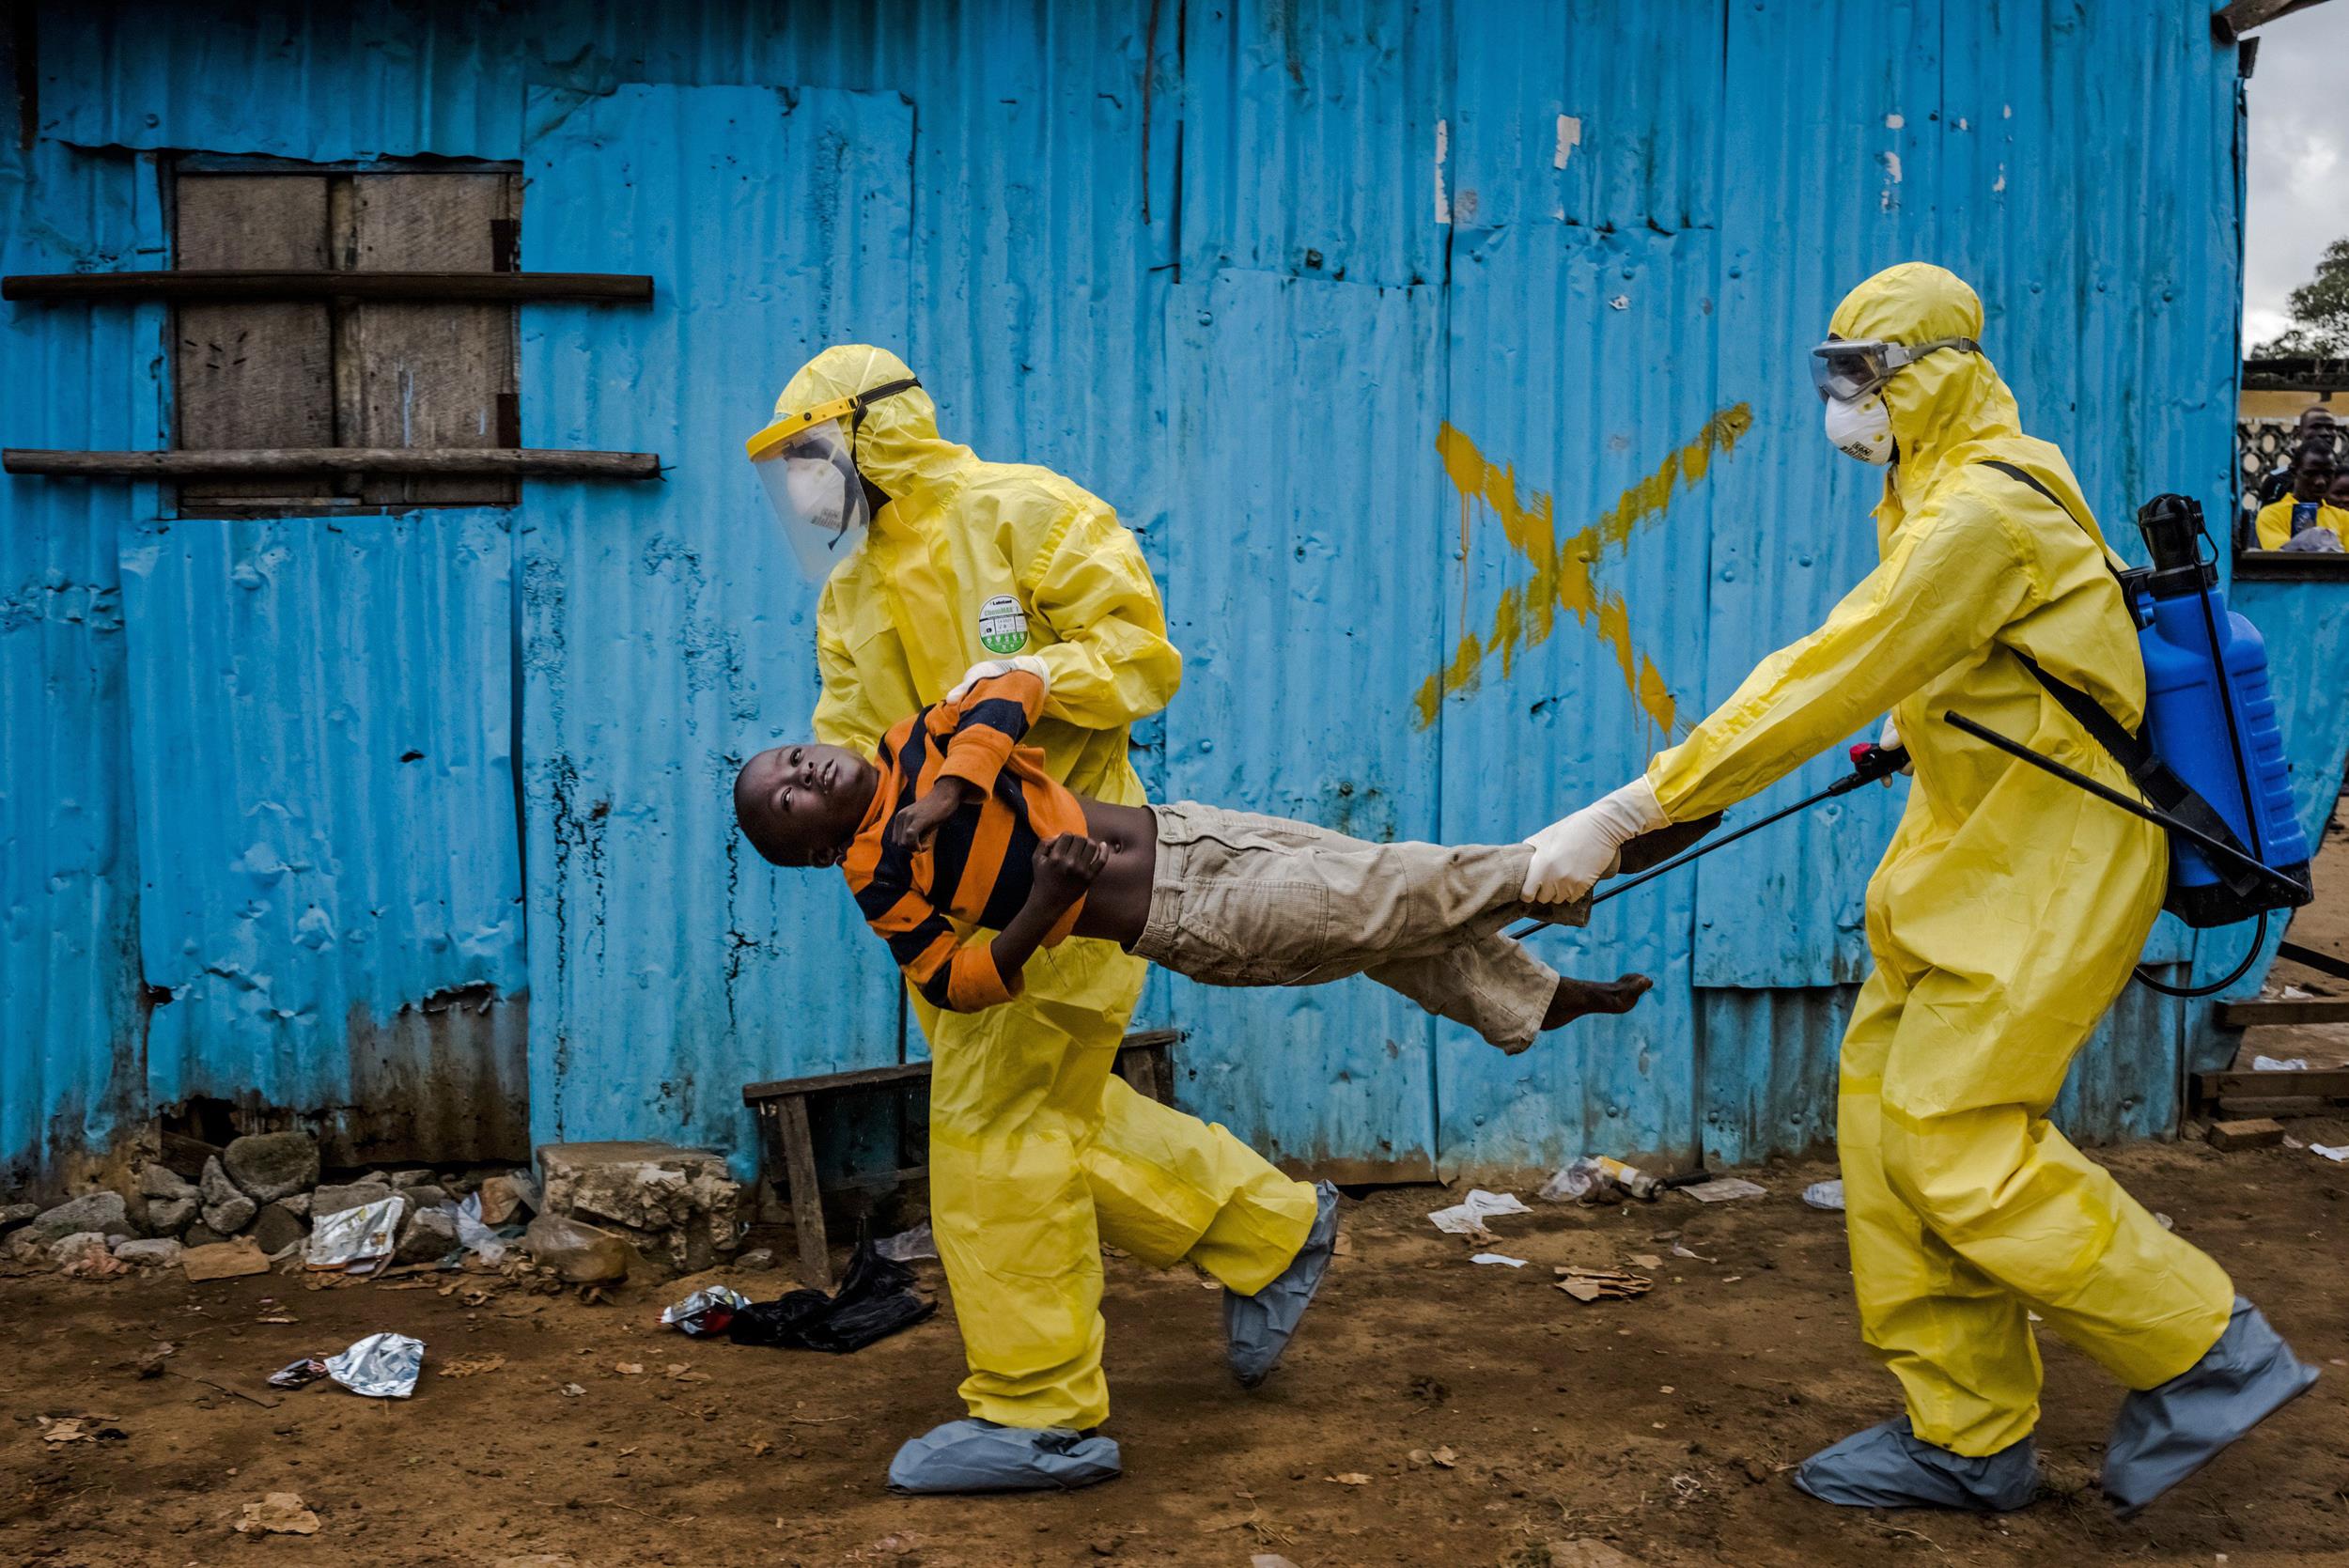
[(806, 463), (1849, 369)]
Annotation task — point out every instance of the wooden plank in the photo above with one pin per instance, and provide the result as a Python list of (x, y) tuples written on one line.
[(808, 1199), (260, 284), (523, 462), (251, 375), (2326, 1083), (429, 375), (2255, 1015), (1143, 1040), (2259, 1133)]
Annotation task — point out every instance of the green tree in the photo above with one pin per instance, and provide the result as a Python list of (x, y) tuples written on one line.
[(2319, 310)]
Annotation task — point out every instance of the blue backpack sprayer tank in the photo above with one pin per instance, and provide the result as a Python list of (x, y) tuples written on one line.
[(2209, 758)]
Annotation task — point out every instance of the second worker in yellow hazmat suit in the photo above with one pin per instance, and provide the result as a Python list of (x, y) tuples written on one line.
[(2003, 920), (935, 565)]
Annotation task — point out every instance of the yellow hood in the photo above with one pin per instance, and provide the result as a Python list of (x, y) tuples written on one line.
[(1947, 398), (896, 445)]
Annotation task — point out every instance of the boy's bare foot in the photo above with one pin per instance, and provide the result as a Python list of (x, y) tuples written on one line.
[(1576, 997)]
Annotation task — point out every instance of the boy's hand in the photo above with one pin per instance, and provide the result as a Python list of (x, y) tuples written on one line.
[(915, 827), (1066, 865)]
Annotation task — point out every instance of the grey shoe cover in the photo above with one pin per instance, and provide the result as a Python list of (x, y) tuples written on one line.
[(1888, 1466), (1258, 1327), (2165, 1434), (973, 1455)]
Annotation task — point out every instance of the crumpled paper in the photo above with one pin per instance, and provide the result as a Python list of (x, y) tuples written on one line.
[(1467, 1218), (359, 1238), (381, 1366)]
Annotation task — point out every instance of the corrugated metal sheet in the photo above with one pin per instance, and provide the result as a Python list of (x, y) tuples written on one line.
[(321, 748), (1342, 307), (71, 1040), (666, 635)]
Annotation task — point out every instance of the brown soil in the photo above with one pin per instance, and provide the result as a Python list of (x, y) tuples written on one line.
[(1662, 1425)]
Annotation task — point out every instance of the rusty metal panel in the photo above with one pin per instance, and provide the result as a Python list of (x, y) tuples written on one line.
[(71, 1042), (331, 914), (1583, 444), (666, 632)]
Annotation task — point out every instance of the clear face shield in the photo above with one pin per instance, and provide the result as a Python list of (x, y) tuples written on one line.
[(806, 463), (1847, 369)]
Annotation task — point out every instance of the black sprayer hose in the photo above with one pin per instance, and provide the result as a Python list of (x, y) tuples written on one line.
[(2259, 940)]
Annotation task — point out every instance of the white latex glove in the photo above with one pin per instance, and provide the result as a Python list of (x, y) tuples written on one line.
[(1572, 854), (1890, 738), (987, 669)]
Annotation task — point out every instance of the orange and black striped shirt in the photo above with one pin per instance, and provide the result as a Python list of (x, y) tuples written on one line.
[(977, 869)]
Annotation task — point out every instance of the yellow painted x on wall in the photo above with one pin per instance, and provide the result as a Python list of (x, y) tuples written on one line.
[(1527, 611)]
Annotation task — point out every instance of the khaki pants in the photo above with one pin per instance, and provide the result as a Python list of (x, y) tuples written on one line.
[(1240, 899)]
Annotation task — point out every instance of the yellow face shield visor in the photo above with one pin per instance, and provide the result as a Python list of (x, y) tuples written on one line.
[(806, 463)]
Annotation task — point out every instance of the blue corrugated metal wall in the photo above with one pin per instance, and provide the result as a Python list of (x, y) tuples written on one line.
[(1353, 310)]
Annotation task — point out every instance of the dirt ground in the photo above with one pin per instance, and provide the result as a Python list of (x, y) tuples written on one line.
[(1662, 1425)]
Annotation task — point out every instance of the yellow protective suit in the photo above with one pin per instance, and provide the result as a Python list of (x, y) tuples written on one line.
[(2275, 523), (1038, 1152), (2004, 918)]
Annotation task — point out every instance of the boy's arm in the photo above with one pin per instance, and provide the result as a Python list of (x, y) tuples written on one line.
[(967, 977), (981, 729)]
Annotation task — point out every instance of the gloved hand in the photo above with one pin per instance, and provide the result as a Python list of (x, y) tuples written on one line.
[(1572, 854), (1888, 738), (988, 668)]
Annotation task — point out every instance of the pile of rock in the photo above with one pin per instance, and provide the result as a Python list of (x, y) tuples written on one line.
[(265, 1185)]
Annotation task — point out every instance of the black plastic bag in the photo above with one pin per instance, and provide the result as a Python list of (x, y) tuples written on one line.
[(875, 1301)]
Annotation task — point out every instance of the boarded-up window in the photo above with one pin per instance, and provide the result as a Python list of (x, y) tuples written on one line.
[(344, 373)]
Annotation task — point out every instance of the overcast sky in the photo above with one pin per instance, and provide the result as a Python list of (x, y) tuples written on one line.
[(2300, 174)]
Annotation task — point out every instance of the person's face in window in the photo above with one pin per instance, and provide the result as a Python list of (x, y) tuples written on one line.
[(2312, 475), (2336, 493)]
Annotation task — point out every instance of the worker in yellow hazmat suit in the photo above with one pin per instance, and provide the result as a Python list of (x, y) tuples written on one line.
[(936, 566), (2003, 920)]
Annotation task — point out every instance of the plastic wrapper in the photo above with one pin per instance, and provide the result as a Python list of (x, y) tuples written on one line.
[(474, 1236), (381, 1366), (357, 1239), (298, 1374), (705, 1311), (876, 1300)]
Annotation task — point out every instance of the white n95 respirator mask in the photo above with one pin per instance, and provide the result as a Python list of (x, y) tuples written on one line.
[(1860, 427)]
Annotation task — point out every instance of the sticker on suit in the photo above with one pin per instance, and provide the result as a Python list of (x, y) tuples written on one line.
[(1002, 625)]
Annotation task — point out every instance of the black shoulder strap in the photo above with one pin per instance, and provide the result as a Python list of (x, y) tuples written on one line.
[(2159, 782)]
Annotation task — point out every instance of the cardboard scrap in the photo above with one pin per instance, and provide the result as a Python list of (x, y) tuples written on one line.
[(1720, 1189), (1590, 1284), (279, 1513), (224, 1260)]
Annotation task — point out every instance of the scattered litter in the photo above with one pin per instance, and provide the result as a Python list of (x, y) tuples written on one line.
[(1590, 1284), (1349, 1478), (2336, 1152), (381, 1366), (298, 1373), (2276, 1065), (876, 1300), (2292, 1142), (2294, 993), (1443, 1458), (1268, 1559), (475, 1234), (628, 1368), (500, 1198), (279, 1513), (86, 1257), (1467, 1218), (1646, 1260), (356, 1240), (705, 1312), (906, 1245), (1680, 1251), (80, 1429), (472, 1366), (1722, 1189), (1598, 1179), (2164, 1220), (1825, 1195), (224, 1260), (581, 1254), (1499, 1258), (572, 1391)]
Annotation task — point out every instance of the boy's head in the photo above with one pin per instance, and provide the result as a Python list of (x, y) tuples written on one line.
[(2312, 470), (2338, 492), (802, 804)]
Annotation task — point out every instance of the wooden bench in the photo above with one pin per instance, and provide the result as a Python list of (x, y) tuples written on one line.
[(788, 1144)]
